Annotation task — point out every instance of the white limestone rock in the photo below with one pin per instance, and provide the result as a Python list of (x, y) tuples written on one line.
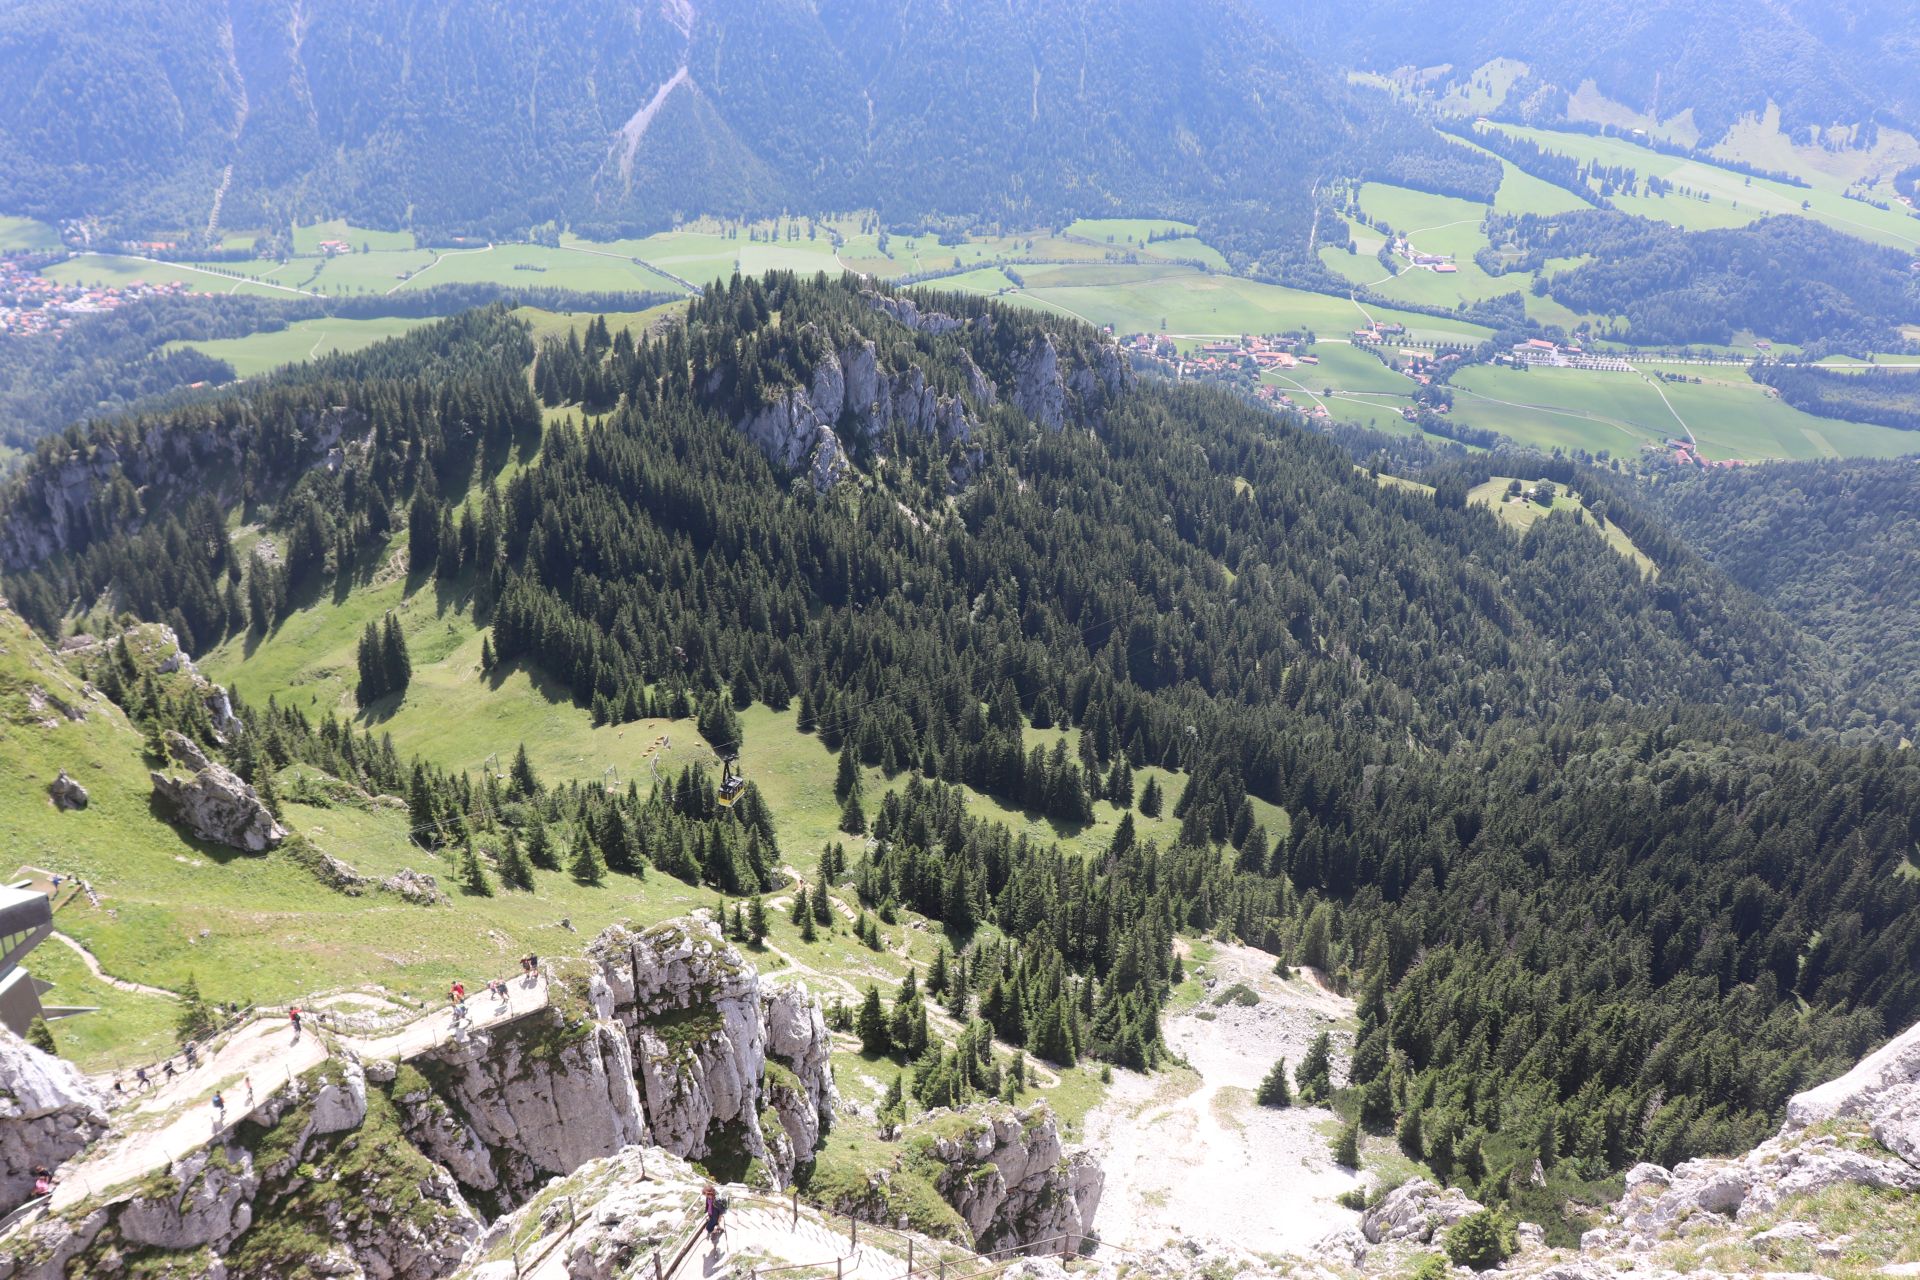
[(1416, 1210), (48, 1111), (1007, 1175), (519, 1104), (216, 805)]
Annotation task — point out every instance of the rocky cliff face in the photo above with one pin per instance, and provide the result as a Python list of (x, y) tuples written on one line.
[(702, 1034), (801, 429), (319, 1178), (1006, 1173), (48, 1111), (849, 394), (505, 1110), (54, 509), (391, 1171)]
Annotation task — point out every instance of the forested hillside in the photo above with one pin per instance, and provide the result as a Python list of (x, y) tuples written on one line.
[(1823, 64), (494, 117), (1583, 839), (1833, 545), (1785, 277)]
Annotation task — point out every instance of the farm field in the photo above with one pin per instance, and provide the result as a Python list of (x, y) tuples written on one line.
[(1139, 298), (1736, 199), (119, 271), (1133, 234), (1449, 225), (307, 240), (26, 235), (259, 353), (1730, 417)]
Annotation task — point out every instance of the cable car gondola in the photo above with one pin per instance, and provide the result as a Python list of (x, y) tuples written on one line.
[(731, 783)]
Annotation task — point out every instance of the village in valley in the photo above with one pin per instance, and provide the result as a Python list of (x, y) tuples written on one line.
[(31, 303)]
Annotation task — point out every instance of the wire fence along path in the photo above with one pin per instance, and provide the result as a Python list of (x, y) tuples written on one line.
[(175, 1117)]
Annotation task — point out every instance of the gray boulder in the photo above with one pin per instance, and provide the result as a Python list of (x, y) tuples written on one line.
[(417, 887), (67, 794), (1415, 1210), (1893, 1065), (216, 805)]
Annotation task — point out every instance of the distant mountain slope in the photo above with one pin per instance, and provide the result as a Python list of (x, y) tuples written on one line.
[(1833, 545), (481, 115), (1823, 63)]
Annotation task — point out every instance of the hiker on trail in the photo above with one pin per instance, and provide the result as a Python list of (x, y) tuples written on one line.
[(56, 885), (166, 1069), (42, 1180), (716, 1209), (140, 1074), (533, 964), (294, 1013), (119, 1087), (193, 1057), (219, 1110)]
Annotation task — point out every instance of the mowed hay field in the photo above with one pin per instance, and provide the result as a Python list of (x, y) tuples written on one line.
[(1730, 417), (26, 235), (119, 271), (1138, 298), (1734, 198), (302, 340)]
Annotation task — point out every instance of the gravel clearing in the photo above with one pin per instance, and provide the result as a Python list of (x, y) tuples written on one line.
[(1187, 1153)]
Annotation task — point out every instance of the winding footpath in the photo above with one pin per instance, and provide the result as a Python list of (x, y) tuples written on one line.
[(174, 1117), (93, 967)]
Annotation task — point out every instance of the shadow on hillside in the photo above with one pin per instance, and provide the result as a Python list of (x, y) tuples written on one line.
[(216, 853)]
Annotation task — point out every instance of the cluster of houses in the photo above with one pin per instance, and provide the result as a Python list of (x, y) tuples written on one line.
[(1556, 355), (1274, 396), (1440, 264), (1686, 454), (32, 304), (1378, 331), (1247, 353)]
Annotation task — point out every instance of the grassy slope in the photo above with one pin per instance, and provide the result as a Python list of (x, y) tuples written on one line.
[(1735, 199), (1136, 299), (303, 340), (1522, 513), (1730, 416)]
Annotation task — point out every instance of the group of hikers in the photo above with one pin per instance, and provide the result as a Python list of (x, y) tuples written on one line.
[(143, 1077)]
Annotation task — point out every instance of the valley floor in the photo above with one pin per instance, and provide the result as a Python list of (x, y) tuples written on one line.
[(1187, 1153)]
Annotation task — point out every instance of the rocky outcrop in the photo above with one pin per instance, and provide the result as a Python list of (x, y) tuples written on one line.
[(800, 1070), (1417, 1211), (48, 1111), (417, 887), (908, 312), (53, 510), (1053, 391), (216, 805), (694, 1017), (67, 794), (801, 428), (509, 1108), (1009, 1178), (1858, 1130), (154, 638), (315, 1157)]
